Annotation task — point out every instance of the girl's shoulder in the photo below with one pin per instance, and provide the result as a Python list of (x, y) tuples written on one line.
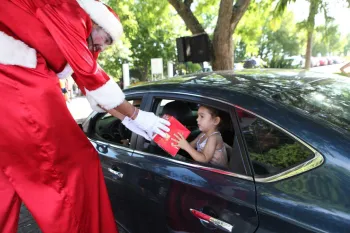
[(219, 138)]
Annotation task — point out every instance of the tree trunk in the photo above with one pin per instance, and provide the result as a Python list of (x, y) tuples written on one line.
[(228, 19), (222, 51), (308, 50), (144, 73), (229, 16), (314, 5)]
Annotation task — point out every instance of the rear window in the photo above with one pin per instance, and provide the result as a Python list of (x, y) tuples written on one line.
[(328, 99)]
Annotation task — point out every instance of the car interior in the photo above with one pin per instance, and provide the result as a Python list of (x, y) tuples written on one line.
[(107, 127), (186, 113)]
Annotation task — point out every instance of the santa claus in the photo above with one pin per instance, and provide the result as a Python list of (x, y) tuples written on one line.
[(46, 161)]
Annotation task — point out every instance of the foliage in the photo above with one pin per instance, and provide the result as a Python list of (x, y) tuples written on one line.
[(284, 156), (206, 12), (280, 62), (150, 28), (250, 30), (346, 48), (316, 6), (328, 39), (286, 39), (268, 36), (188, 68)]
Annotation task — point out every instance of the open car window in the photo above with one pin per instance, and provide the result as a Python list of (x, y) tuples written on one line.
[(186, 113), (110, 129)]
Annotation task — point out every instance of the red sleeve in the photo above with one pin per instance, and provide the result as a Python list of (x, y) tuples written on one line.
[(69, 25)]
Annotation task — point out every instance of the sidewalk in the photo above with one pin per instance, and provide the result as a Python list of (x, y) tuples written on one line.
[(28, 225), (26, 222), (79, 108)]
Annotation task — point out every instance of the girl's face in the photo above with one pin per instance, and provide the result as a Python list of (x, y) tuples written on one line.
[(205, 120)]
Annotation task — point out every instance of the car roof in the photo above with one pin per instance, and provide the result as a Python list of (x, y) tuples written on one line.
[(259, 82), (255, 90)]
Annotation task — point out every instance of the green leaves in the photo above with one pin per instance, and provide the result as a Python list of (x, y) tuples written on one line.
[(150, 29), (267, 29), (283, 157)]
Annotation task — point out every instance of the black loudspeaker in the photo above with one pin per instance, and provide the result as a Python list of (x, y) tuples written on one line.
[(180, 45), (195, 49), (200, 48)]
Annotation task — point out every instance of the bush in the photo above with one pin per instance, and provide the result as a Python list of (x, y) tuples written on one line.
[(284, 156), (280, 62)]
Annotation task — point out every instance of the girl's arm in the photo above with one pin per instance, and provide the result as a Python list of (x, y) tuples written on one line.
[(204, 156), (194, 142)]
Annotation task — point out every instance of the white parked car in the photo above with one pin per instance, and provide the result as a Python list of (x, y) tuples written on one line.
[(296, 61)]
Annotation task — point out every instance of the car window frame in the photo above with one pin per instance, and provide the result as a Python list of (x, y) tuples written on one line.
[(94, 118), (221, 105), (303, 167)]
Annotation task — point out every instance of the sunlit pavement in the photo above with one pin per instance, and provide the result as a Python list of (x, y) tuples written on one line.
[(79, 108), (328, 69)]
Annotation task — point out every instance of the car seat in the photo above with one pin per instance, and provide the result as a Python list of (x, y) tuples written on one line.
[(183, 113), (235, 159)]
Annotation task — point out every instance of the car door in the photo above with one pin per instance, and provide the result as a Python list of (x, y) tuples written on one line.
[(115, 145), (172, 195), (286, 188)]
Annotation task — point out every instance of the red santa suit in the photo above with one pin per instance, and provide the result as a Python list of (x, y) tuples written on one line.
[(46, 161)]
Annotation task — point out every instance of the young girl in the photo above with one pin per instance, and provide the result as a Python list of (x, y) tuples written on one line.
[(209, 146)]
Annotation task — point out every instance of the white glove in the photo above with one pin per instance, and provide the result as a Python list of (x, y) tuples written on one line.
[(152, 124), (130, 124)]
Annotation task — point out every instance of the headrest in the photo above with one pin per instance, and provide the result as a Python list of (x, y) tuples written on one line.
[(178, 109)]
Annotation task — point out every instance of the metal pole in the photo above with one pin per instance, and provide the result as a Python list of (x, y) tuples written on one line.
[(126, 75)]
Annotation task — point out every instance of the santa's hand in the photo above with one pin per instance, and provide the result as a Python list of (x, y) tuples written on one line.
[(152, 124), (130, 124)]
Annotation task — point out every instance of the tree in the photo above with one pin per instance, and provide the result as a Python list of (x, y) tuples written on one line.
[(315, 7), (328, 40), (229, 14), (250, 32), (281, 42), (260, 33), (347, 45), (150, 29)]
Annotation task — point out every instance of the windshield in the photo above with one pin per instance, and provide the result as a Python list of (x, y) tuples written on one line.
[(328, 99)]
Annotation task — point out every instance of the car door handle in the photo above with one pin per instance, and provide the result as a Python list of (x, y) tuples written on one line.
[(212, 221), (102, 148), (114, 172)]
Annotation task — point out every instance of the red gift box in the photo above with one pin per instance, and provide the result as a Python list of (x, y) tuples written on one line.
[(175, 128)]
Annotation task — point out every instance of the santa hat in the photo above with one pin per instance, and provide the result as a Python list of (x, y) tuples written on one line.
[(104, 16)]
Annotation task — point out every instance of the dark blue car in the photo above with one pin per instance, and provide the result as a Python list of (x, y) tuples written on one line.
[(287, 137)]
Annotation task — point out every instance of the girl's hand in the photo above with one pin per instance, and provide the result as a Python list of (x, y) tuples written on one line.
[(180, 141)]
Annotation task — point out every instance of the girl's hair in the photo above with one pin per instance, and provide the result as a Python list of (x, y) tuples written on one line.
[(213, 111)]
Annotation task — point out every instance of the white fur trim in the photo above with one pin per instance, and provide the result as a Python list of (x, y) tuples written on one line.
[(100, 14), (94, 104), (66, 72), (15, 52), (108, 96)]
